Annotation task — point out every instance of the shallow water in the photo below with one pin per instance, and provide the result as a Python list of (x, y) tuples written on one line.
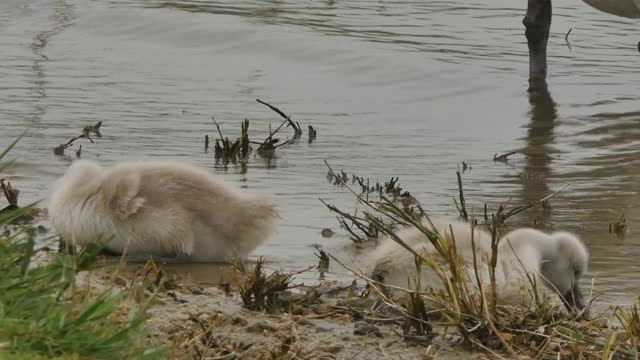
[(407, 88)]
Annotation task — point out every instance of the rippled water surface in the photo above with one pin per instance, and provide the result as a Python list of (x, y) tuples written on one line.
[(407, 88)]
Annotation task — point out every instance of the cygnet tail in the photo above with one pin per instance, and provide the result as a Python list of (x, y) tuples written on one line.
[(256, 224)]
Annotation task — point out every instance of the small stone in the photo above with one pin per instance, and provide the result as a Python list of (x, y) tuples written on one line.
[(196, 290), (297, 309), (326, 232), (304, 321), (333, 349), (506, 336), (364, 329), (260, 326), (357, 302), (120, 281), (322, 309), (175, 298), (239, 320), (322, 329)]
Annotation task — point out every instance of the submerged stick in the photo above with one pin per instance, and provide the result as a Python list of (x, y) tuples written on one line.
[(503, 157), (463, 209), (59, 150), (86, 131), (296, 127), (566, 38), (312, 134)]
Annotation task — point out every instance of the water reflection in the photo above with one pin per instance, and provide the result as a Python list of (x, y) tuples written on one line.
[(62, 17), (538, 149), (206, 274)]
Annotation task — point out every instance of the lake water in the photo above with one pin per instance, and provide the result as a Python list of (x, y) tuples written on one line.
[(406, 88)]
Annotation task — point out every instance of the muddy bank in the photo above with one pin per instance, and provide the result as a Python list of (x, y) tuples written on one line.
[(325, 321), (209, 323)]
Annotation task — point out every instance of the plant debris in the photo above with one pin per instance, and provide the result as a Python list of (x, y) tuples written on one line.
[(323, 260), (228, 151), (312, 134), (92, 129), (619, 227), (297, 130), (11, 195), (86, 133), (462, 209), (364, 227), (258, 290), (503, 157), (238, 151)]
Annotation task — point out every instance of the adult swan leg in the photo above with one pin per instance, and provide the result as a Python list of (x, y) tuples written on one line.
[(537, 22)]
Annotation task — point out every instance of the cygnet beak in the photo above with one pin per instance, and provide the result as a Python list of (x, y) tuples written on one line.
[(573, 299)]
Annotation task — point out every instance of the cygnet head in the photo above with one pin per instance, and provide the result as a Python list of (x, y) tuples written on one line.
[(563, 267)]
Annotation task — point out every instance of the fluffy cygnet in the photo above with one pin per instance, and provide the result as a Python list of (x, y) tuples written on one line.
[(395, 265), (159, 208), (557, 260)]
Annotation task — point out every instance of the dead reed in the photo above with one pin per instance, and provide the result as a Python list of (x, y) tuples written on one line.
[(259, 291), (238, 150), (86, 134), (11, 195), (363, 226), (228, 151)]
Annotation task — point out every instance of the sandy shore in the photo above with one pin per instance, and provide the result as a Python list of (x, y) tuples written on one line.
[(209, 323)]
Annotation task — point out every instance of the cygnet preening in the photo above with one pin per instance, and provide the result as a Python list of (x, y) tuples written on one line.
[(557, 260), (165, 209)]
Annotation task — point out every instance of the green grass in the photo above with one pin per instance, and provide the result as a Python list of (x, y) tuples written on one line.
[(45, 315)]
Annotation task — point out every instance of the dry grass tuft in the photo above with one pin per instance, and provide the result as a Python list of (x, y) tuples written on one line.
[(259, 291)]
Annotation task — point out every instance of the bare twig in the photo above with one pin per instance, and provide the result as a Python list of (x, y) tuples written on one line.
[(503, 157), (59, 150), (463, 209), (86, 131), (296, 127), (312, 134), (566, 38), (323, 260)]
